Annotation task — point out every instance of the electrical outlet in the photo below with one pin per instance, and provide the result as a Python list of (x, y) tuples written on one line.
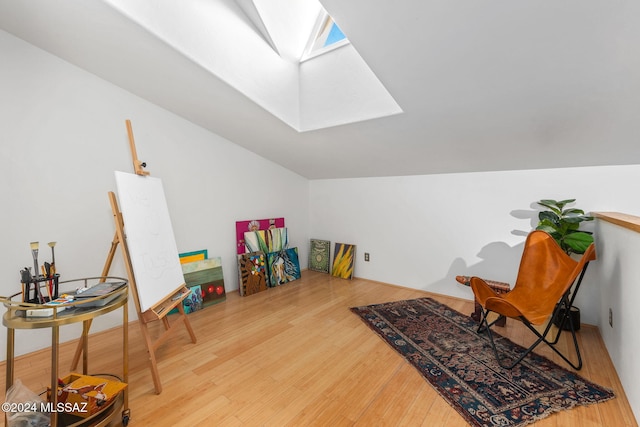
[(366, 256), (610, 317)]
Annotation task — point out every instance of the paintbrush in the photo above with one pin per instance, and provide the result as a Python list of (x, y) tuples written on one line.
[(45, 275), (53, 255), (52, 267), (34, 252)]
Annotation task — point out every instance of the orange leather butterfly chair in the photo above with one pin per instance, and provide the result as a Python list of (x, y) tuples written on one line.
[(542, 292)]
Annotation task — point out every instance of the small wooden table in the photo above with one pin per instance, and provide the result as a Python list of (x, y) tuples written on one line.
[(498, 287)]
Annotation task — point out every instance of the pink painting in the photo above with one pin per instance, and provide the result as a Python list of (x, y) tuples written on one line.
[(254, 225)]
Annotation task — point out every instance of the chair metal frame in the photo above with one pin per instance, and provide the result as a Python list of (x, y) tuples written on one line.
[(560, 315)]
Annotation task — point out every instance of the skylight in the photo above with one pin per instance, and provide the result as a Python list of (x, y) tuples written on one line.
[(326, 36), (256, 46)]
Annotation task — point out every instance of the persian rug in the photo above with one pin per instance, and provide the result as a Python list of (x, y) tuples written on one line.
[(442, 344)]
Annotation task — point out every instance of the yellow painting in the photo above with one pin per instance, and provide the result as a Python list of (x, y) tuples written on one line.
[(343, 260)]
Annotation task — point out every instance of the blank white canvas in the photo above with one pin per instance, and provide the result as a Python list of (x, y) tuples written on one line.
[(150, 239)]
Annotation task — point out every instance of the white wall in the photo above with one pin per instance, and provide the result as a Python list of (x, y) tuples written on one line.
[(62, 136), (618, 271)]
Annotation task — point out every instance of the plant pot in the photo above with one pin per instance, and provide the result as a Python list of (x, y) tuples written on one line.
[(575, 317)]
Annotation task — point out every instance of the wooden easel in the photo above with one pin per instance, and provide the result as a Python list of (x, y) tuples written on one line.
[(157, 312)]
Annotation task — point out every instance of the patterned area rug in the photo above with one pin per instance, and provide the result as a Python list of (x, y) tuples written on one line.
[(459, 363)]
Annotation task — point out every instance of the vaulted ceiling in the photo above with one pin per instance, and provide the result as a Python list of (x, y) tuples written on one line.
[(479, 86)]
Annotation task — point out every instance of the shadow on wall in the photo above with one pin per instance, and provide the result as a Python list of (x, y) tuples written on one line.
[(499, 261)]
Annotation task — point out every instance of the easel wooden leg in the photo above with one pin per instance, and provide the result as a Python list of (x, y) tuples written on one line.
[(169, 329), (82, 343), (187, 324), (82, 348), (152, 357)]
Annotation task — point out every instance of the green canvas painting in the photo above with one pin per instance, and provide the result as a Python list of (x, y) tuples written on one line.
[(319, 254)]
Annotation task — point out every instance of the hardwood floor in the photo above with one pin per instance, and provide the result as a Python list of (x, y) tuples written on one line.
[(296, 356)]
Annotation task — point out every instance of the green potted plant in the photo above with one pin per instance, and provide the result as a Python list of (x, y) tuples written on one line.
[(564, 226)]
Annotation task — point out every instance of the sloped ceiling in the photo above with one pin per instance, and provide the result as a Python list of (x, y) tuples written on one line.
[(493, 85)]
